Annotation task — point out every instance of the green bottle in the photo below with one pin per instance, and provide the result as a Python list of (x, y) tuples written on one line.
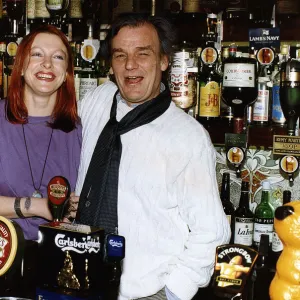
[(263, 215)]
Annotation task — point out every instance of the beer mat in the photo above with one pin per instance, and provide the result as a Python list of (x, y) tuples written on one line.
[(11, 244), (233, 266)]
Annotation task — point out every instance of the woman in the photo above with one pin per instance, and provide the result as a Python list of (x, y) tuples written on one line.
[(40, 134)]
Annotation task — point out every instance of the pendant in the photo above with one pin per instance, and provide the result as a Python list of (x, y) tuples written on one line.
[(37, 194)]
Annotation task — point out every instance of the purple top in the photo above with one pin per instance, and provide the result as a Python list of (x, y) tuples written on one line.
[(15, 177)]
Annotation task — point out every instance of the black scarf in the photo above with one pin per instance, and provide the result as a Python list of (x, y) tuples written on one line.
[(99, 196)]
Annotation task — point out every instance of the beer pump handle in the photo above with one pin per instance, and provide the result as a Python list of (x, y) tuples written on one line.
[(58, 191)]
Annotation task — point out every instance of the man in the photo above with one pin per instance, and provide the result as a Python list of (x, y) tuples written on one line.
[(153, 170)]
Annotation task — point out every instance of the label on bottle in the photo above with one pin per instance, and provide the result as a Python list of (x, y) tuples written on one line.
[(243, 232), (262, 226), (210, 100), (261, 106), (277, 245), (182, 83), (85, 85), (75, 9), (238, 75), (30, 8), (41, 10), (277, 113)]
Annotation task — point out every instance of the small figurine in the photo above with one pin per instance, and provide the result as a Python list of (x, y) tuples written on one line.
[(66, 277), (286, 283)]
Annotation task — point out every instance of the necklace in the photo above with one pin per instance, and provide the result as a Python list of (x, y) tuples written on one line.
[(37, 193)]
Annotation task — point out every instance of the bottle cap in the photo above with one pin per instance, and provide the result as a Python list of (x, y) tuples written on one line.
[(266, 185)]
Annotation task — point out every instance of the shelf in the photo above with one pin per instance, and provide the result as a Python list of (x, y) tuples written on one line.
[(258, 136)]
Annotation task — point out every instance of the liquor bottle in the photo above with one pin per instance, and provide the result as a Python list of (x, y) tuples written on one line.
[(77, 69), (225, 198), (261, 107), (209, 87), (76, 23), (182, 79), (89, 51), (15, 9), (263, 215), (11, 40), (277, 113), (239, 87), (290, 92), (42, 14), (243, 219), (277, 245), (262, 277)]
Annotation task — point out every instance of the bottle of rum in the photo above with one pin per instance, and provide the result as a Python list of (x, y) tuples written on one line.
[(243, 219), (263, 215)]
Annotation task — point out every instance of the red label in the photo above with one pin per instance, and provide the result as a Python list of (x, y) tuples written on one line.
[(58, 190)]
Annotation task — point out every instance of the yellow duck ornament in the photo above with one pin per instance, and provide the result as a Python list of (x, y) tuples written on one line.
[(286, 283)]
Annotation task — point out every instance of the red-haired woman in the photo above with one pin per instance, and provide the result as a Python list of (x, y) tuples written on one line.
[(40, 133)]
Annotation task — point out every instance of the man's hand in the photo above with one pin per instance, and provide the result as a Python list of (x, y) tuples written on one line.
[(71, 208)]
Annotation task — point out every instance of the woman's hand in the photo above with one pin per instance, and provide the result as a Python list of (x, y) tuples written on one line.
[(71, 209)]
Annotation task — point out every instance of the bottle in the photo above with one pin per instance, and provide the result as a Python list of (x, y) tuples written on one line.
[(182, 76), (225, 198), (261, 107), (239, 87), (76, 25), (89, 50), (209, 88), (11, 40), (262, 277), (289, 92), (277, 113), (263, 215), (277, 245), (244, 219), (77, 69)]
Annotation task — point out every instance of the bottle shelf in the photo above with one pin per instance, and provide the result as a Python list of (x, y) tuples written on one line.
[(260, 137)]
